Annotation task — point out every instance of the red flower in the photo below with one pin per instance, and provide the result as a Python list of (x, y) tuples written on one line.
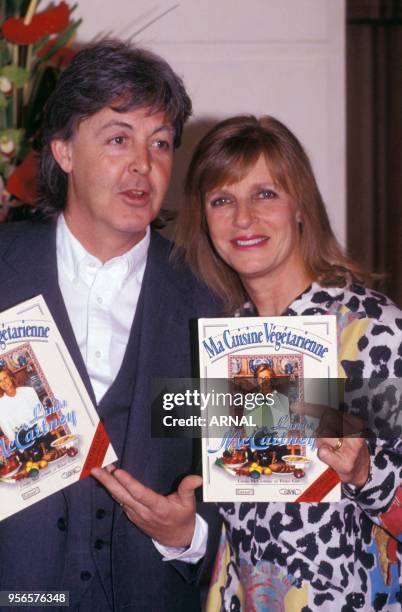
[(22, 183), (53, 21)]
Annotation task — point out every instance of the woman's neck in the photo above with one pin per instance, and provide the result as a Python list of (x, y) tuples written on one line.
[(271, 296)]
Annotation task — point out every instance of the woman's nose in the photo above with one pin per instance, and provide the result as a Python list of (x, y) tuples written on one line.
[(243, 214)]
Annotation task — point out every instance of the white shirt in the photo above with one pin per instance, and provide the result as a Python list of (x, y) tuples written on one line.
[(23, 408), (101, 300)]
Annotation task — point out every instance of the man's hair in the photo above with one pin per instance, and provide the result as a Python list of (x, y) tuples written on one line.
[(224, 156), (106, 74)]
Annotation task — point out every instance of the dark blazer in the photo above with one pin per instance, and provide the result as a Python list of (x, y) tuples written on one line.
[(32, 545)]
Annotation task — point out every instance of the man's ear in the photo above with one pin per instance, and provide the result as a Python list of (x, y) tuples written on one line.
[(61, 150)]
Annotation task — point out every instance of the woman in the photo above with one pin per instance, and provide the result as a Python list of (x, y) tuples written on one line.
[(255, 228), (19, 406), (21, 411)]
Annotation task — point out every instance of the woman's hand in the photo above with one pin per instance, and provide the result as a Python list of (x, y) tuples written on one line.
[(338, 442), (349, 457)]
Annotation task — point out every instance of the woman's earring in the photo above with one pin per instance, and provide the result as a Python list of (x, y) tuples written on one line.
[(299, 222)]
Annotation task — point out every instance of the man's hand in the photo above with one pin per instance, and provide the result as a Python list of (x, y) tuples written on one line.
[(348, 456), (169, 520)]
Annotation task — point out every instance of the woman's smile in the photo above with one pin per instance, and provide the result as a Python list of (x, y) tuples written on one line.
[(247, 242)]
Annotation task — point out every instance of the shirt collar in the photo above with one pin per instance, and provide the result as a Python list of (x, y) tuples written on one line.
[(75, 257)]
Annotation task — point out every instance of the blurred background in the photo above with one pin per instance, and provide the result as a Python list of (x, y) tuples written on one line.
[(329, 69)]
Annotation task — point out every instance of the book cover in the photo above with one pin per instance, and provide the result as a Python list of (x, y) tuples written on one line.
[(261, 374), (50, 432)]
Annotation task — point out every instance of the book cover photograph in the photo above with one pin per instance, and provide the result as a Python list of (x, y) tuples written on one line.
[(50, 432), (262, 374)]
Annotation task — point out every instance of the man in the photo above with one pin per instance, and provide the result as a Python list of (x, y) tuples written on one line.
[(110, 129)]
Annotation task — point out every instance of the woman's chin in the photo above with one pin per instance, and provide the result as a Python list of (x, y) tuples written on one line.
[(252, 273)]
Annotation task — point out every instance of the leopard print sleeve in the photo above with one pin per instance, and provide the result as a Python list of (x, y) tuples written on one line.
[(381, 496), (378, 362)]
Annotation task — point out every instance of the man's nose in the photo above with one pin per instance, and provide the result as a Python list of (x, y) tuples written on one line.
[(243, 214), (140, 159)]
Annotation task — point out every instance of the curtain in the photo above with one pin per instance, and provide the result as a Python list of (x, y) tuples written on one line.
[(374, 128)]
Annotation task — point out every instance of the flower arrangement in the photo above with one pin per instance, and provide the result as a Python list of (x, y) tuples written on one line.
[(34, 48)]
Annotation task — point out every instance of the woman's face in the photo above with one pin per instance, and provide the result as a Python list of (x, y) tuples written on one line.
[(6, 382), (254, 226)]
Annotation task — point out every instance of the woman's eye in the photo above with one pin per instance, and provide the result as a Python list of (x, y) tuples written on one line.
[(266, 194), (217, 202)]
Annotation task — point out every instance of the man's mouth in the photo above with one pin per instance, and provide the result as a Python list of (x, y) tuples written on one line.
[(136, 196), (244, 242)]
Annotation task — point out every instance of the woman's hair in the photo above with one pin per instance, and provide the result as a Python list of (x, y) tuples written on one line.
[(11, 375), (224, 156)]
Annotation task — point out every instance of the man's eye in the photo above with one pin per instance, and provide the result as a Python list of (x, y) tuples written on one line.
[(119, 140), (266, 194), (163, 145)]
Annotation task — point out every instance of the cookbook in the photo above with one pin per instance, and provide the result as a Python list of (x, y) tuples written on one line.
[(50, 432), (268, 381)]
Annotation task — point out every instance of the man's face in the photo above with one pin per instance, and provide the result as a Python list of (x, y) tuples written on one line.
[(119, 167)]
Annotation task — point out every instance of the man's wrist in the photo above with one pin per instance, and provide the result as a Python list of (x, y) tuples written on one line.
[(188, 554)]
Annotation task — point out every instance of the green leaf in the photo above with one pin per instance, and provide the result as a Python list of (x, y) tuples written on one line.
[(3, 165), (3, 101), (41, 43), (18, 4), (15, 135), (44, 83), (5, 56), (18, 76)]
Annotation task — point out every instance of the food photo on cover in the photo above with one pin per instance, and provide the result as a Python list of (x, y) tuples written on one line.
[(35, 428), (265, 455)]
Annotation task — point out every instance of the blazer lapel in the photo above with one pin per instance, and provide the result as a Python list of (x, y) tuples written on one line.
[(161, 330), (29, 268)]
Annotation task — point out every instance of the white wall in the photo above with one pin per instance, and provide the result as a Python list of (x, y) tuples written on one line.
[(278, 57)]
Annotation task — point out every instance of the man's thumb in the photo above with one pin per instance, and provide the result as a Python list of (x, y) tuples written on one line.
[(188, 485)]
